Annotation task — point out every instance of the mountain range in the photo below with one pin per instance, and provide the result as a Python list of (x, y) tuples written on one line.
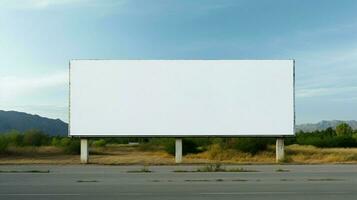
[(13, 120), (322, 125)]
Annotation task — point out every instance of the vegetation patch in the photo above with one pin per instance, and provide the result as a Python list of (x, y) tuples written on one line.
[(332, 145), (182, 171), (156, 181), (197, 180), (87, 181), (24, 171), (215, 180), (241, 169), (144, 169), (239, 180), (284, 179), (219, 168), (282, 170), (323, 179), (211, 168), (216, 168)]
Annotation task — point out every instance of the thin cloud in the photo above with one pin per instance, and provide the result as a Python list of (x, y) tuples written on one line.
[(325, 91), (327, 73), (36, 4), (45, 4), (12, 87)]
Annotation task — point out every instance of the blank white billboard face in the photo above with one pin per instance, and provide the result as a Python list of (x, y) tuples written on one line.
[(181, 97)]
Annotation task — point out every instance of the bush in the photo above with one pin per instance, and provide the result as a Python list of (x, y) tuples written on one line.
[(74, 147), (170, 147), (99, 143), (214, 151), (4, 143), (250, 145), (71, 145), (321, 140), (56, 141), (344, 129), (15, 138), (344, 141), (35, 138)]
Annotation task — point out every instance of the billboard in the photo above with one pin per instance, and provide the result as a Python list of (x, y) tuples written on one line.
[(181, 98)]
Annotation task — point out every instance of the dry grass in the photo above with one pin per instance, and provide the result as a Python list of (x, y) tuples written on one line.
[(312, 155), (37, 155), (125, 154), (30, 151), (216, 153)]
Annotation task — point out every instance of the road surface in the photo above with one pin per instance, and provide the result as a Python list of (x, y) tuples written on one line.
[(123, 182)]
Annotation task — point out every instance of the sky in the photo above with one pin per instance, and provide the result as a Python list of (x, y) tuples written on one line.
[(39, 37)]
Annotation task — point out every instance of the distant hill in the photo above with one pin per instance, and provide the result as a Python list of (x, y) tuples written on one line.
[(324, 125), (13, 120)]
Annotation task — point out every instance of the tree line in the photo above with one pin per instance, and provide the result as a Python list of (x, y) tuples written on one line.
[(342, 136)]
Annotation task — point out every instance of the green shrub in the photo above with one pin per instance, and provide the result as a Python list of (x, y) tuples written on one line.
[(4, 143), (99, 143), (354, 136), (15, 138), (290, 140), (250, 145), (344, 129), (170, 147), (56, 141), (71, 145), (319, 139), (342, 141), (35, 138)]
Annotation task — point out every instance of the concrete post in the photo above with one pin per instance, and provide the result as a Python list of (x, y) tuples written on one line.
[(279, 148), (178, 150), (84, 150)]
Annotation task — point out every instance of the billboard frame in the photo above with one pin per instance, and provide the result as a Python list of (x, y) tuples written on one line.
[(181, 136)]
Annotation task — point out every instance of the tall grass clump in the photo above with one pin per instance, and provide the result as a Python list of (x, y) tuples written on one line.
[(4, 143), (250, 145), (228, 148), (246, 145), (69, 145), (35, 138), (15, 138), (99, 143)]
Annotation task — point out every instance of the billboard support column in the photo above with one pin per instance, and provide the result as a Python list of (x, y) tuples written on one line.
[(84, 150), (279, 148), (178, 150)]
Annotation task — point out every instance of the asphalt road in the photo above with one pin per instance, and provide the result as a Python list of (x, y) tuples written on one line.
[(115, 182)]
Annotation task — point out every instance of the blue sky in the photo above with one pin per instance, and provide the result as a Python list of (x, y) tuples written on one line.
[(39, 37)]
